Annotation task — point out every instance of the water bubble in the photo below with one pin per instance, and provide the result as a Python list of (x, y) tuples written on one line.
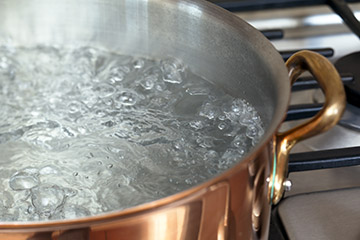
[(104, 90), (229, 157), (170, 64), (179, 144), (208, 110), (173, 71), (25, 179), (221, 117), (188, 181), (48, 170), (69, 192), (254, 131), (126, 98), (4, 63), (236, 110), (222, 125), (238, 106), (91, 98), (46, 198), (148, 82), (74, 107), (232, 116), (178, 159), (256, 118), (118, 74), (249, 117), (205, 142), (139, 63), (239, 141), (82, 130), (6, 68), (24, 208), (108, 102), (196, 124), (100, 113)]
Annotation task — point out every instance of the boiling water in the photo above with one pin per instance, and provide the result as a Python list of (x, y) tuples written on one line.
[(84, 131)]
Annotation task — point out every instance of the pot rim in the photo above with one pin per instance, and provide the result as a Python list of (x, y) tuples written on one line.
[(176, 199)]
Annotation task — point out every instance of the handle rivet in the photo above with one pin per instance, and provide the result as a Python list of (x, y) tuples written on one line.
[(287, 185)]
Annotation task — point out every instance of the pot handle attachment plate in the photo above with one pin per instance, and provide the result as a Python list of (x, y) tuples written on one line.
[(334, 106)]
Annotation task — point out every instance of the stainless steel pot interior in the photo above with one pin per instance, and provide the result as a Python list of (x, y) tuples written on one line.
[(214, 43)]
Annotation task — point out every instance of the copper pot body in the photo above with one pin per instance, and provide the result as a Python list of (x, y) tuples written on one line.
[(215, 44), (234, 206)]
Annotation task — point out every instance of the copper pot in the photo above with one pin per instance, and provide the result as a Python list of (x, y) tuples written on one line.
[(223, 49)]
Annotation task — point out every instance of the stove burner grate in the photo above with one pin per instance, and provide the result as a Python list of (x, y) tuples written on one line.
[(351, 64)]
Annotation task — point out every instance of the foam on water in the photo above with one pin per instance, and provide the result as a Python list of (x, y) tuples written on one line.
[(84, 131)]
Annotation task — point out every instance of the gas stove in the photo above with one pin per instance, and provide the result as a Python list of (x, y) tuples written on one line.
[(324, 200)]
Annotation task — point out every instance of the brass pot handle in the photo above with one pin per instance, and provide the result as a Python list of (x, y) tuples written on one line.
[(334, 106)]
